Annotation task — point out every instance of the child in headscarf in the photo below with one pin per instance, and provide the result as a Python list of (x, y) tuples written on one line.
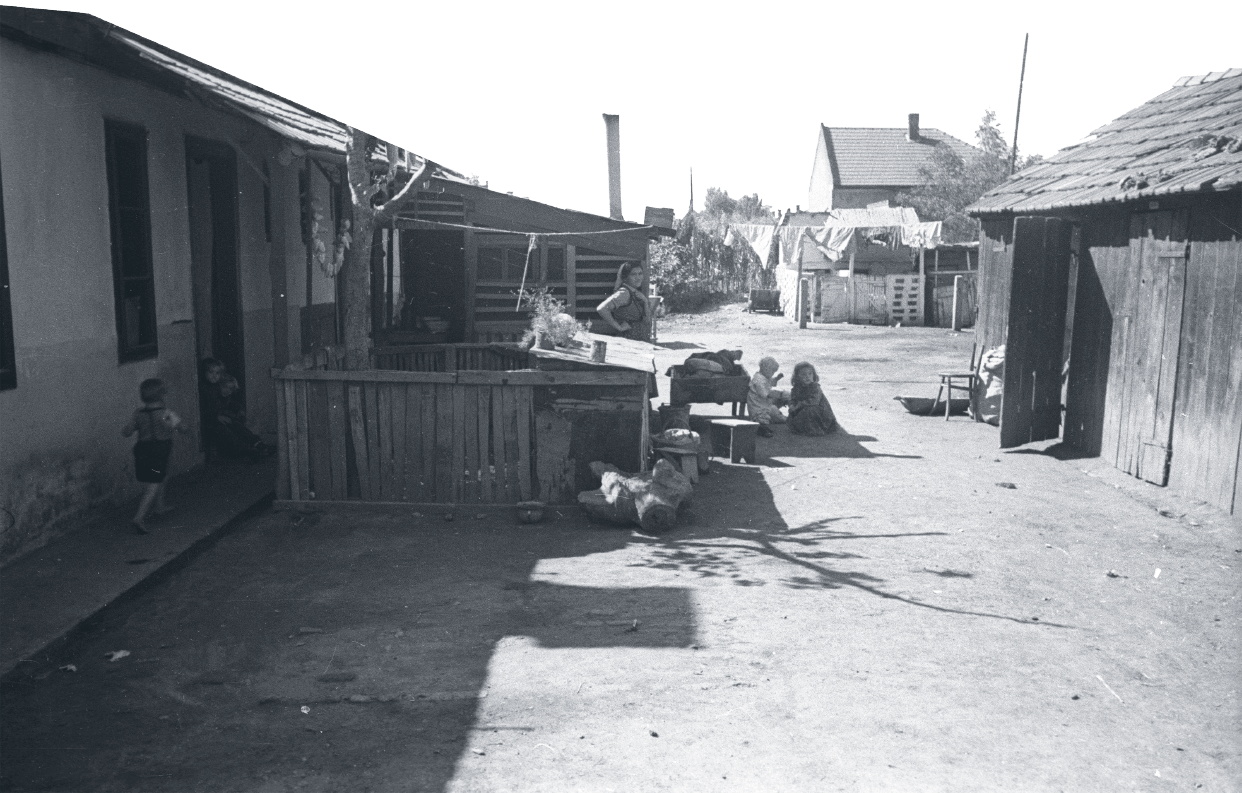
[(759, 402), (809, 411)]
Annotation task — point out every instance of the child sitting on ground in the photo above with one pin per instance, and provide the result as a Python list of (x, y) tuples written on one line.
[(155, 425), (233, 437), (760, 403), (809, 411)]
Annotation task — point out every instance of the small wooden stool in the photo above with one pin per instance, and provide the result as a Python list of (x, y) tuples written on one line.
[(738, 436), (947, 387)]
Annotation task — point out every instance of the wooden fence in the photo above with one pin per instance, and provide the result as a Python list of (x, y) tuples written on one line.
[(449, 357), (447, 438)]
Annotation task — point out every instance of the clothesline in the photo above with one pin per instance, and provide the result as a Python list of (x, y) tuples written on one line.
[(487, 230)]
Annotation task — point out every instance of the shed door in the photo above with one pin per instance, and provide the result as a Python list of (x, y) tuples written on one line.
[(1031, 405), (1146, 341)]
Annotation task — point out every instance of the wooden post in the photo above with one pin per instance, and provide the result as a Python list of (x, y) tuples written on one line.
[(958, 303), (851, 283), (923, 296), (472, 275), (571, 279), (801, 291)]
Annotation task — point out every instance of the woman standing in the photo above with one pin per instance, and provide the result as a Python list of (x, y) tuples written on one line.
[(626, 312)]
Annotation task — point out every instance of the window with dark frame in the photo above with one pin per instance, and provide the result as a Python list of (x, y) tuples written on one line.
[(8, 358), (133, 273)]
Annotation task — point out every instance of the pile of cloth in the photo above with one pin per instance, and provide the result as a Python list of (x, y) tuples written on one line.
[(722, 363)]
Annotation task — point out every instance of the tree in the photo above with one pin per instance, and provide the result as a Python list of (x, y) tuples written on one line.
[(951, 183), (375, 196)]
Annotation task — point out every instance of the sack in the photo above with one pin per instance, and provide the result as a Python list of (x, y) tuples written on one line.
[(989, 386)]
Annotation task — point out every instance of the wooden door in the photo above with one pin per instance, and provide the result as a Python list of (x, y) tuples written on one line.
[(1031, 405), (1146, 343)]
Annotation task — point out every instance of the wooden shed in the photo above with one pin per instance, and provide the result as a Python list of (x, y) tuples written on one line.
[(450, 268), (1112, 272)]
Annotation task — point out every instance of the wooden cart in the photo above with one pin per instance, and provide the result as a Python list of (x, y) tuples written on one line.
[(764, 300)]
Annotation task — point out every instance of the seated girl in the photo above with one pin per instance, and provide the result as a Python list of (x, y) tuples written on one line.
[(809, 411)]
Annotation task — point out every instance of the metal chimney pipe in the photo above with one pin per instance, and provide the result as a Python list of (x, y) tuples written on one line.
[(913, 127), (612, 127)]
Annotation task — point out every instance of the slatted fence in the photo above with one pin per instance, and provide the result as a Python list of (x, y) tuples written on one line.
[(433, 438)]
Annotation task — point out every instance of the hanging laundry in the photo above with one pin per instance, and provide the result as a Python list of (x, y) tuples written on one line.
[(921, 235), (757, 235), (833, 240), (790, 239)]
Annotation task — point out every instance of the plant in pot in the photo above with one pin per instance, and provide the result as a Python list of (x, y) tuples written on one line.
[(550, 325)]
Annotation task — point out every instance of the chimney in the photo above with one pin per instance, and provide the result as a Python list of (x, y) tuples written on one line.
[(913, 132), (612, 126)]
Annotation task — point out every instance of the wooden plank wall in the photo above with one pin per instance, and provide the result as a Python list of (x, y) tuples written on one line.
[(1102, 266), (449, 357), (1207, 429), (995, 275)]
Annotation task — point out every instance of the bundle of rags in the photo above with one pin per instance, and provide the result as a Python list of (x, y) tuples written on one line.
[(722, 363), (651, 500)]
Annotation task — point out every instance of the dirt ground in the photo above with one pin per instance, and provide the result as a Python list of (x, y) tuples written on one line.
[(867, 611)]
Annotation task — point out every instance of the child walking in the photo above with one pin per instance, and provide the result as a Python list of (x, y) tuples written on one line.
[(155, 425), (759, 402)]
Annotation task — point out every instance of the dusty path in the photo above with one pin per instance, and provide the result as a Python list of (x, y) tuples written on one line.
[(864, 612)]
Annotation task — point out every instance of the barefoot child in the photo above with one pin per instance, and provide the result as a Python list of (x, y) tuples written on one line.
[(759, 402), (155, 425), (809, 411)]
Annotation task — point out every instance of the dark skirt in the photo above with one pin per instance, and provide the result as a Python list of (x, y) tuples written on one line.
[(151, 460), (813, 419)]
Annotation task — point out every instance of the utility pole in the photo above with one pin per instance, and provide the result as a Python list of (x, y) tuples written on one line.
[(1013, 155)]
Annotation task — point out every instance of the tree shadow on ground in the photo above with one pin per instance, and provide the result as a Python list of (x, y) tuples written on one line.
[(725, 547), (340, 651)]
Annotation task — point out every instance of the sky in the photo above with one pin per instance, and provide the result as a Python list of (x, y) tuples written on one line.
[(514, 92)]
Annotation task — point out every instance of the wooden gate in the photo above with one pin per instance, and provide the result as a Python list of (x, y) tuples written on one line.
[(1031, 405), (1138, 422)]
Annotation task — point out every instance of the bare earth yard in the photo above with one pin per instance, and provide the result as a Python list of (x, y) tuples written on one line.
[(867, 611)]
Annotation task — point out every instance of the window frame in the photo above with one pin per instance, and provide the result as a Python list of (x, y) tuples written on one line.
[(114, 132)]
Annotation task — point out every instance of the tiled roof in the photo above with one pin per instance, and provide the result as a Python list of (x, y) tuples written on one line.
[(1187, 139), (883, 156)]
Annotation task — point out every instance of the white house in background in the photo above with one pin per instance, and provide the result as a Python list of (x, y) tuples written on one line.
[(859, 167)]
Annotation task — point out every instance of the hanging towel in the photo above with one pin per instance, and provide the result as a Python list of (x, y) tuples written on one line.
[(833, 240), (791, 244), (921, 235), (757, 235)]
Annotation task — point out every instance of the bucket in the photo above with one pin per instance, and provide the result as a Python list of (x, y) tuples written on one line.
[(675, 417), (599, 351)]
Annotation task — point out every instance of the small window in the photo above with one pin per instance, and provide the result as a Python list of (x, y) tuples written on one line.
[(8, 361), (507, 264), (556, 264), (132, 271)]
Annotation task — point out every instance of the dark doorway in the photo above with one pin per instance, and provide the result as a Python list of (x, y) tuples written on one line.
[(211, 177), (433, 270)]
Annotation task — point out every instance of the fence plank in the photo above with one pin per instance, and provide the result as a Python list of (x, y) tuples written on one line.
[(282, 444), (336, 433), (370, 400), (523, 439), (459, 442), (358, 430), (320, 446), (500, 492), (413, 445), (428, 485), (397, 422), (485, 439), (291, 436), (303, 444), (444, 443), (384, 424), (470, 486), (511, 443)]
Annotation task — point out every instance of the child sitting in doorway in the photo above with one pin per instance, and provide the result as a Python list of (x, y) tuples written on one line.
[(761, 402), (234, 438)]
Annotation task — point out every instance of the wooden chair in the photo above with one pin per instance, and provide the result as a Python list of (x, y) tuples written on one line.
[(949, 384)]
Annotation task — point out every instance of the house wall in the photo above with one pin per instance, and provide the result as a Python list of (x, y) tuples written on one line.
[(819, 194), (62, 451)]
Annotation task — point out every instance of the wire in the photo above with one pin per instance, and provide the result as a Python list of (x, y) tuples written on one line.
[(525, 233)]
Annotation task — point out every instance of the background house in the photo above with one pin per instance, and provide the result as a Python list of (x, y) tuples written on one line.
[(1119, 262), (859, 166)]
